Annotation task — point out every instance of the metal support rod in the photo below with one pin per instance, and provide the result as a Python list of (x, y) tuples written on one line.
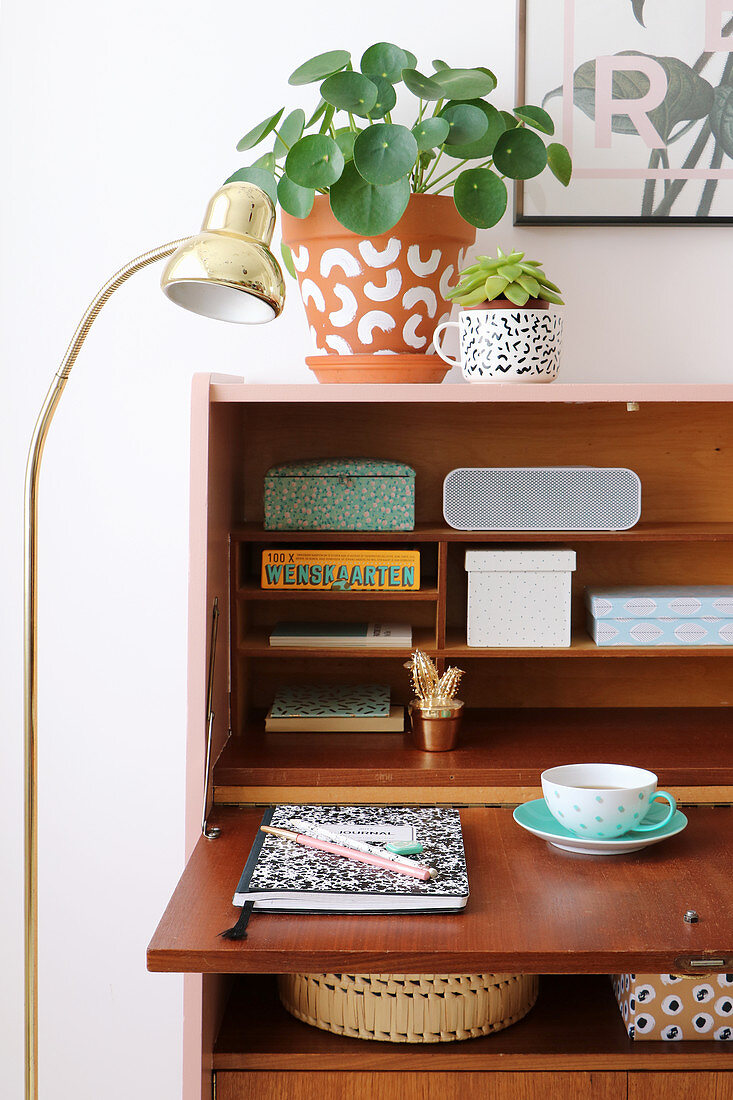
[(30, 650)]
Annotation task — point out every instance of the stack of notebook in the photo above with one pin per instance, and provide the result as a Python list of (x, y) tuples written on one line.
[(281, 876), (334, 708)]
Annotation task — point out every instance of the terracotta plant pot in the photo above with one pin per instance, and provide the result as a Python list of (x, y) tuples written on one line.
[(378, 295)]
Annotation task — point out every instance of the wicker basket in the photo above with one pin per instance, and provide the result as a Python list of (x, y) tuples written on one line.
[(409, 1008)]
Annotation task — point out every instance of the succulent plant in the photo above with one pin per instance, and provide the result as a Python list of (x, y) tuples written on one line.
[(508, 276), (351, 149)]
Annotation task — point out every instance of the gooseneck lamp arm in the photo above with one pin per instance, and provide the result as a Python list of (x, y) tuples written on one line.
[(30, 647), (227, 272)]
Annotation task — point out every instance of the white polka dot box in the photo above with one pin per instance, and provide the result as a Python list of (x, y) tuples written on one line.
[(656, 615), (519, 597), (672, 1007)]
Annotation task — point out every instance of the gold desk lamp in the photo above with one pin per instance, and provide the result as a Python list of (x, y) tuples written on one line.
[(226, 272)]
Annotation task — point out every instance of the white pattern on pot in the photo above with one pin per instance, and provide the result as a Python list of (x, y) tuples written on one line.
[(420, 294), (376, 318), (409, 334), (339, 345), (374, 258), (445, 281), (416, 264), (390, 289), (308, 289), (301, 258), (339, 257), (344, 316)]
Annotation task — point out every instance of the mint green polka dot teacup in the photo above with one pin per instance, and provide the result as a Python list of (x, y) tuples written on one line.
[(603, 801)]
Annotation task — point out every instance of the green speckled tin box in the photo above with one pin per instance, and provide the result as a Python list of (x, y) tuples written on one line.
[(340, 494)]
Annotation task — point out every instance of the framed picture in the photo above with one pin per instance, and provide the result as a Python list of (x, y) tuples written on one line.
[(641, 93)]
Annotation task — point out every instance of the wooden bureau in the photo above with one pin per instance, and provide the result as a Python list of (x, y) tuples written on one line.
[(532, 908)]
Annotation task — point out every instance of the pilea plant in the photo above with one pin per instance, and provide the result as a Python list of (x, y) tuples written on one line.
[(369, 165), (508, 276)]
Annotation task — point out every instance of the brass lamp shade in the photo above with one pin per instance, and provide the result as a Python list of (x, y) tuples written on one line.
[(227, 271)]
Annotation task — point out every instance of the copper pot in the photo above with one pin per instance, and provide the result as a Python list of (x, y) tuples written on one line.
[(435, 729)]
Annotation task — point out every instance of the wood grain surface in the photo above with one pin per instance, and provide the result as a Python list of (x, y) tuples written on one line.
[(680, 1086), (689, 746), (532, 908), (421, 1086)]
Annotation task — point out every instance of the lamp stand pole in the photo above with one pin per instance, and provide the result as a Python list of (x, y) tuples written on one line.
[(30, 650)]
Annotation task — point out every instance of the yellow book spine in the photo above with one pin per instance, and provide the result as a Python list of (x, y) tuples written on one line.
[(341, 570)]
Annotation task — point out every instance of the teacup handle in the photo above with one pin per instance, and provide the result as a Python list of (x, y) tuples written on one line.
[(436, 343), (642, 828)]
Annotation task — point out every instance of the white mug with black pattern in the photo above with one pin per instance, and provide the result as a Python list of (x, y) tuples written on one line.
[(506, 345)]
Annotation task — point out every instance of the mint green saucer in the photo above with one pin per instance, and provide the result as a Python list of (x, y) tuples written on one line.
[(536, 819)]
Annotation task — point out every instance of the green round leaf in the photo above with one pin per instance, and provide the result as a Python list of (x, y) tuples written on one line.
[(439, 65), (520, 154), (266, 161), (290, 131), (466, 123), (489, 73), (384, 153), (430, 133), (423, 86), (351, 92), (463, 83), (480, 197), (386, 97), (318, 67), (345, 139), (287, 256), (294, 199), (560, 162), (509, 120), (483, 146), (386, 60), (315, 161), (536, 117), (365, 209), (258, 176), (255, 135), (411, 60)]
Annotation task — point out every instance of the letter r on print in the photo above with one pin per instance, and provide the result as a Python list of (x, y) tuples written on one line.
[(636, 109)]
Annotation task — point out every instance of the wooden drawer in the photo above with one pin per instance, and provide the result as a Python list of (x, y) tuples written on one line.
[(680, 1086), (427, 1086)]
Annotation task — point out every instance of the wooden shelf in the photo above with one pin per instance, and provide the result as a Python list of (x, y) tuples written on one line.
[(687, 747), (575, 1024), (581, 646), (532, 909), (237, 391), (643, 532), (256, 644), (253, 592)]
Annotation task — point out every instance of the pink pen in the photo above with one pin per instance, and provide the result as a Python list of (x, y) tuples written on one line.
[(423, 873)]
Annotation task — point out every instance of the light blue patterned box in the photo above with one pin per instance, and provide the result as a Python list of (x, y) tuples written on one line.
[(659, 601), (664, 630)]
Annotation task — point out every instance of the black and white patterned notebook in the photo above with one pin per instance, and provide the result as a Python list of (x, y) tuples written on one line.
[(281, 876)]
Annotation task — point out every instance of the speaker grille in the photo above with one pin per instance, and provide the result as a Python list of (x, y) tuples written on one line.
[(550, 498)]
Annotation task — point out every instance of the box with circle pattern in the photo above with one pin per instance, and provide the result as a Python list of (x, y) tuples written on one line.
[(672, 1007)]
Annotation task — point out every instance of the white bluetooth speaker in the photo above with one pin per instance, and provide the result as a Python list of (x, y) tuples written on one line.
[(541, 498)]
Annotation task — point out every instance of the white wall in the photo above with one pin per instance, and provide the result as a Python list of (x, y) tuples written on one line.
[(121, 120)]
